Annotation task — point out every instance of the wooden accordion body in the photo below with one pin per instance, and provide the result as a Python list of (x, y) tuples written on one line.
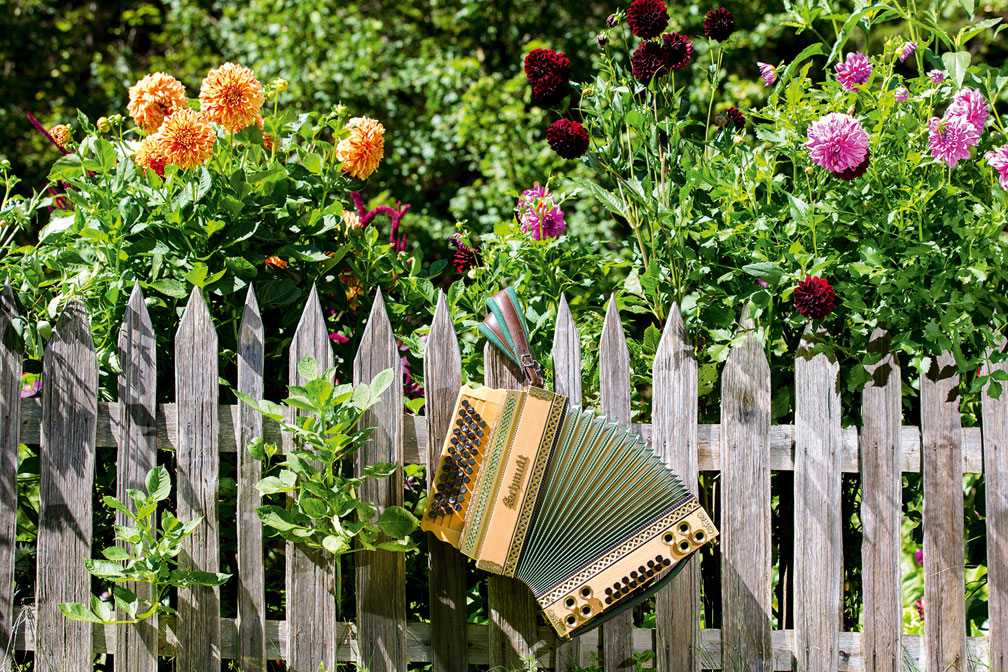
[(578, 508)]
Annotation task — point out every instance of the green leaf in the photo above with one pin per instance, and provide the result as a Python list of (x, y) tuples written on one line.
[(315, 508), (606, 198), (78, 612), (380, 470), (170, 287), (362, 397), (126, 599), (116, 554), (158, 484), (279, 518), (104, 568), (768, 271), (308, 368), (380, 383), (335, 545), (271, 485), (114, 503), (313, 163), (257, 449), (397, 522), (956, 63)]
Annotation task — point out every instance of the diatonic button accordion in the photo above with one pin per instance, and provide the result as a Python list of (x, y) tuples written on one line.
[(578, 508)]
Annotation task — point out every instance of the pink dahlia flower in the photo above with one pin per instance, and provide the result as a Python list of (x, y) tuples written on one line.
[(837, 142), (998, 160), (908, 49), (902, 94), (539, 215), (767, 72), (949, 140), (937, 76), (855, 70), (971, 105)]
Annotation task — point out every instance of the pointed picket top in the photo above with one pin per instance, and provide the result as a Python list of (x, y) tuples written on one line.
[(442, 365), (614, 366), (137, 343), (566, 354), (378, 332), (8, 308), (195, 320), (251, 323)]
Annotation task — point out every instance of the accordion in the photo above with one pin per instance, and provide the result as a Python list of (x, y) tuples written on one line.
[(580, 509)]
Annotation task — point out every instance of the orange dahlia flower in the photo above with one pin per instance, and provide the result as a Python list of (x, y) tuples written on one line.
[(149, 156), (186, 139), (60, 135), (231, 96), (363, 149), (153, 98)]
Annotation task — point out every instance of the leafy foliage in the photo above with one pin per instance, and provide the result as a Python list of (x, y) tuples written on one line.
[(146, 555)]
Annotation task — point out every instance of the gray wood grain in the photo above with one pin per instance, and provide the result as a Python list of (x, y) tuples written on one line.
[(745, 508), (818, 541), (944, 563), (614, 389), (567, 381), (512, 608), (251, 581), (311, 574), (881, 510), (995, 435), (66, 477), (415, 438), (674, 419), (198, 471), (442, 365), (381, 575), (10, 439), (136, 645)]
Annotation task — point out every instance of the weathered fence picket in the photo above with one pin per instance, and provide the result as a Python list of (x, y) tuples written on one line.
[(511, 604), (674, 418), (995, 435), (311, 578), (566, 355), (614, 389), (251, 580), (818, 552), (944, 563), (198, 476), (381, 575), (881, 511), (68, 424), (136, 645), (442, 367), (745, 508), (66, 479), (10, 439)]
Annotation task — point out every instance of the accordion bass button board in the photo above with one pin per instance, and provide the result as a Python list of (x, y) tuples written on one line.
[(580, 509)]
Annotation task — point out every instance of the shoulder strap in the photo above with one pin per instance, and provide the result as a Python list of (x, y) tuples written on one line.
[(506, 328)]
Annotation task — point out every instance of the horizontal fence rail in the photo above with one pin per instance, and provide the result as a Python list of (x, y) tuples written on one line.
[(69, 425)]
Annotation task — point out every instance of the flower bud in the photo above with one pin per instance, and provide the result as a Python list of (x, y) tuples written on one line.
[(103, 124), (612, 21), (281, 85), (603, 40), (271, 94), (61, 135), (4, 164), (808, 171), (115, 119)]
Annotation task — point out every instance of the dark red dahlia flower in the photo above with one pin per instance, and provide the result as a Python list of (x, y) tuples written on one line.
[(856, 171), (719, 24), (676, 51), (567, 138), (730, 116), (814, 298), (465, 257), (549, 91), (647, 18), (647, 61), (543, 63)]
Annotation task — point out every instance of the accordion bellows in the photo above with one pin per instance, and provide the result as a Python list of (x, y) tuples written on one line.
[(580, 509)]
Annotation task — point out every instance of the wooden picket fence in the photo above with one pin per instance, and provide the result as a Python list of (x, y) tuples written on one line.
[(67, 422)]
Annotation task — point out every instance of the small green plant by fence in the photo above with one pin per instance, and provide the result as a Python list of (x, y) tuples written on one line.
[(68, 424)]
